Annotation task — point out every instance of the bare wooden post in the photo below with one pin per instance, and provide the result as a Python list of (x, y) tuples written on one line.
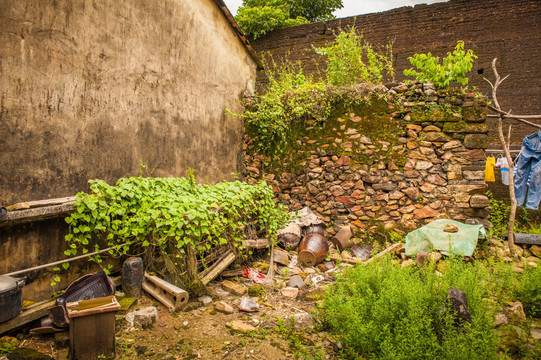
[(505, 144)]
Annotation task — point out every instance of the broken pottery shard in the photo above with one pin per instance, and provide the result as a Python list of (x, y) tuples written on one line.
[(143, 317), (248, 305), (296, 281), (459, 304), (224, 307), (342, 239), (234, 288), (241, 326), (290, 292), (281, 256), (326, 266), (362, 252)]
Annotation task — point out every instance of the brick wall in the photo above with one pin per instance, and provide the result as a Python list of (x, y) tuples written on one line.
[(507, 29)]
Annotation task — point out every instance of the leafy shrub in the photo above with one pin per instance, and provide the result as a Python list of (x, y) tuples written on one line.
[(169, 214), (381, 311), (351, 60), (453, 68), (528, 290), (499, 217)]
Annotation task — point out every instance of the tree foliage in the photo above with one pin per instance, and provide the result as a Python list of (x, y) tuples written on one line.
[(257, 17)]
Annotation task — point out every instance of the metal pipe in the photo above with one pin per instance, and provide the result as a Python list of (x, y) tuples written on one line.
[(18, 272)]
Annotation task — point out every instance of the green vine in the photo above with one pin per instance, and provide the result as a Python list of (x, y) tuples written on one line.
[(169, 214)]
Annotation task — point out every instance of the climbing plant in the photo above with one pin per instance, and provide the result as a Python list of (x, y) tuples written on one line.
[(140, 214)]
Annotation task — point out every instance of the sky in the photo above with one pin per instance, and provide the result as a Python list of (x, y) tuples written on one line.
[(355, 7)]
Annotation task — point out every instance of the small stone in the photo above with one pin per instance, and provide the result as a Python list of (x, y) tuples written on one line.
[(408, 262), (241, 326), (479, 201), (205, 300), (536, 250), (296, 281), (425, 212), (450, 228), (515, 313), (499, 320), (143, 317), (459, 303), (290, 292), (224, 307), (234, 288), (248, 305)]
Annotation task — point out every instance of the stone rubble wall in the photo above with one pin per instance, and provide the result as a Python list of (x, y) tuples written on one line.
[(434, 169)]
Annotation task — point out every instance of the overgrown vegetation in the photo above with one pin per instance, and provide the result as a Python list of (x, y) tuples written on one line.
[(170, 215), (452, 69), (352, 60), (293, 100), (383, 311), (499, 218), (257, 17)]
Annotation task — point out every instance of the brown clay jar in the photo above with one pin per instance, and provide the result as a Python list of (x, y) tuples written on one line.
[(313, 249)]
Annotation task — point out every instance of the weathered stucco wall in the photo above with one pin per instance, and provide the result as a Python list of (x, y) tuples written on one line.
[(506, 29), (93, 89)]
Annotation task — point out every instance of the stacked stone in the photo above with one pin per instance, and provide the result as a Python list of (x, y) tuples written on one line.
[(440, 175)]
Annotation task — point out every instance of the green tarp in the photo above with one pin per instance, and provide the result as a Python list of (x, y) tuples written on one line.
[(431, 237)]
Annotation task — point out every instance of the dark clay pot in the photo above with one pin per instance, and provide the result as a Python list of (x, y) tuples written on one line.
[(289, 241), (314, 229), (313, 249)]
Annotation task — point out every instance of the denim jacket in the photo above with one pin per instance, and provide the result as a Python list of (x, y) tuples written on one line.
[(529, 165)]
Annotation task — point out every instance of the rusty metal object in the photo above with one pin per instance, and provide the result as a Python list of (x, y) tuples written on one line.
[(313, 249), (362, 252), (314, 229), (342, 239)]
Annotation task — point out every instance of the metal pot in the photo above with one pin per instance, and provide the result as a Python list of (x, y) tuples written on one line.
[(11, 299)]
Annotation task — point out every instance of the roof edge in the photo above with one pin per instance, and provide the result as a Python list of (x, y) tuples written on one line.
[(239, 32)]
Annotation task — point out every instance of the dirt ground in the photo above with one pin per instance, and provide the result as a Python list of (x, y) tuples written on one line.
[(201, 332)]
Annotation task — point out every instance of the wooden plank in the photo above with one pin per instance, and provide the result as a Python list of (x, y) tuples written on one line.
[(37, 214), (528, 239), (40, 203), (256, 243), (218, 267), (347, 261), (26, 316), (393, 248)]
